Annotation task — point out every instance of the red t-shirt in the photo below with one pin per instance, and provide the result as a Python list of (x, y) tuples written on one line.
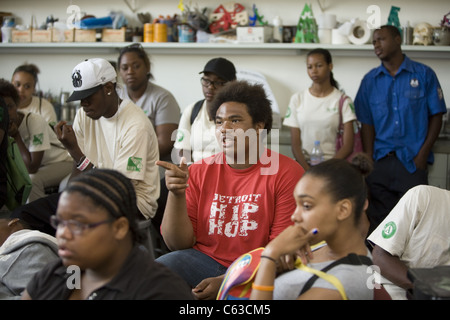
[(235, 211)]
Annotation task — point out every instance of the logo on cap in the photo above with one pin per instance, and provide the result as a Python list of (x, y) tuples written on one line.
[(76, 79)]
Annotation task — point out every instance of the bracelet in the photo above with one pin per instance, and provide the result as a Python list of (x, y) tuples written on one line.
[(270, 258), (81, 161), (262, 288), (84, 164)]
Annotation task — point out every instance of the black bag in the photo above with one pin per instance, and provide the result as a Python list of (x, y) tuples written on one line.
[(196, 110)]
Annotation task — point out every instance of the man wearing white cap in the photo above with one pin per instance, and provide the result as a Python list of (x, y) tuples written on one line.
[(111, 133)]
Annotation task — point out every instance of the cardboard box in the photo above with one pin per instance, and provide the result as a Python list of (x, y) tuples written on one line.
[(82, 35), (59, 35), (258, 34), (41, 35), (113, 35), (21, 35)]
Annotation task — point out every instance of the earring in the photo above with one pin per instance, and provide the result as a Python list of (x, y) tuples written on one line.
[(109, 93)]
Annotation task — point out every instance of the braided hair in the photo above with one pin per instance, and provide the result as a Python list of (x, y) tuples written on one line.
[(111, 190)]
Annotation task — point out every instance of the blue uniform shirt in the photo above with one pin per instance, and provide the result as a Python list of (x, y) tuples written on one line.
[(399, 108)]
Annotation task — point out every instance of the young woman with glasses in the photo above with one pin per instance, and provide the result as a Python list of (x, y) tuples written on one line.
[(99, 247)]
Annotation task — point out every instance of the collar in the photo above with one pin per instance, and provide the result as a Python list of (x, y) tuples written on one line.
[(406, 65)]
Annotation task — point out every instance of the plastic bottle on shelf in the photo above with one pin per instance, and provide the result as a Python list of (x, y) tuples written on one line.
[(316, 155), (278, 29)]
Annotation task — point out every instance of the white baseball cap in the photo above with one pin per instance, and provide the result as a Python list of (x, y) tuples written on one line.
[(89, 76)]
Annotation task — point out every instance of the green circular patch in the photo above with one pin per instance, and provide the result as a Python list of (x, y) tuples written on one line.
[(389, 230)]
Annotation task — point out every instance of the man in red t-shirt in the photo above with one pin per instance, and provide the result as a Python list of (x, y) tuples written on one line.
[(230, 203)]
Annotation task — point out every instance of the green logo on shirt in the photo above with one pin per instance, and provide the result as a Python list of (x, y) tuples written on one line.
[(134, 164), (288, 113), (352, 107), (389, 230), (180, 136), (38, 139)]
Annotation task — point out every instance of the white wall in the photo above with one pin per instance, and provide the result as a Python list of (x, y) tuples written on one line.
[(286, 74)]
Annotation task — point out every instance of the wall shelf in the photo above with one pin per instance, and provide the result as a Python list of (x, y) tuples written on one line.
[(175, 48)]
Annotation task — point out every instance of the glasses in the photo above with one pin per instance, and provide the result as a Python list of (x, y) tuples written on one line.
[(75, 227), (216, 84)]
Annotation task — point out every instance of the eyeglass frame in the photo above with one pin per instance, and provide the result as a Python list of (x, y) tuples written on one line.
[(55, 222), (213, 83)]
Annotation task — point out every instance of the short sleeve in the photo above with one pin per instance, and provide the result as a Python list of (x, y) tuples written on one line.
[(290, 119)]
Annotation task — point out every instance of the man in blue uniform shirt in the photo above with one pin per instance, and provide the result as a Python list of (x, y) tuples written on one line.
[(400, 105)]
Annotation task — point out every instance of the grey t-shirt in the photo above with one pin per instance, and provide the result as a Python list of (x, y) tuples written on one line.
[(158, 104), (356, 280)]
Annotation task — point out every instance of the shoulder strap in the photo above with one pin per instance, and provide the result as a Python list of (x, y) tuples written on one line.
[(341, 104), (351, 259), (26, 122), (196, 110)]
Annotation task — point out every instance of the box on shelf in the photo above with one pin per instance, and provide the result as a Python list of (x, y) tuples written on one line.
[(21, 35), (113, 35), (59, 35), (258, 34), (82, 35), (38, 35)]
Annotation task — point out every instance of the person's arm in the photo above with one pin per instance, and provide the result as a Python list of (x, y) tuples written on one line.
[(434, 127), (296, 145), (32, 160), (290, 241), (176, 226), (208, 288), (391, 267), (348, 138), (165, 142), (66, 135)]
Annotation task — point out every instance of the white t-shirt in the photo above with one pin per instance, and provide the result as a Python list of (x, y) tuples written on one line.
[(39, 136), (417, 230), (42, 107), (200, 138), (127, 143), (318, 119)]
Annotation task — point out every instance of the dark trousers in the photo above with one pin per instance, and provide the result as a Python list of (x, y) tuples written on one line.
[(37, 213), (387, 183)]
